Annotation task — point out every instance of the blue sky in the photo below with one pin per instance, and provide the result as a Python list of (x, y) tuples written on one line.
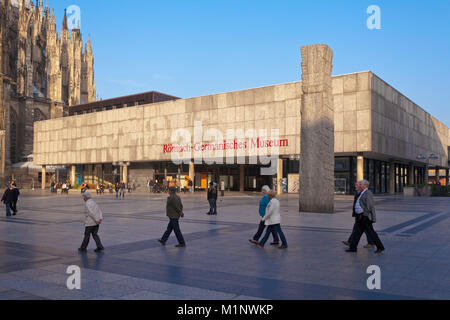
[(193, 48)]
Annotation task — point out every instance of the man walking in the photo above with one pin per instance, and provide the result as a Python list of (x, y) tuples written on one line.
[(174, 210), (15, 197), (7, 200), (370, 244), (94, 218), (365, 218)]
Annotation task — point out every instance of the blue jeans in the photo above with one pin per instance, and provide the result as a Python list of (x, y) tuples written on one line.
[(8, 210), (277, 229), (117, 194), (261, 228)]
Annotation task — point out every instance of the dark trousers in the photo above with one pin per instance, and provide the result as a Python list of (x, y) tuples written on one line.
[(352, 236), (363, 224), (277, 229), (87, 235), (261, 228), (14, 207), (173, 226), (213, 206)]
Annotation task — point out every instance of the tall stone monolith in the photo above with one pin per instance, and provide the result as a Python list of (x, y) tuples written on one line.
[(317, 131)]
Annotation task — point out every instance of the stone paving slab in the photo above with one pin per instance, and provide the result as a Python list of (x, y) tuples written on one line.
[(219, 263)]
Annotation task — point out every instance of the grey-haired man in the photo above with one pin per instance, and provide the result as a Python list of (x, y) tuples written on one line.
[(93, 220), (365, 218)]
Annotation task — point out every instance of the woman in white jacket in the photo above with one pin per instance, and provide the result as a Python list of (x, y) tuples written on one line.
[(272, 220)]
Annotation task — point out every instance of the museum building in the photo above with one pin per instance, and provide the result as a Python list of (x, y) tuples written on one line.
[(380, 135)]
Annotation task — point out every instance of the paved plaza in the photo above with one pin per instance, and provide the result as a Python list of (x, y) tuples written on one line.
[(38, 245)]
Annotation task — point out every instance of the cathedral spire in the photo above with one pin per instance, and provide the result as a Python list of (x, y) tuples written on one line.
[(47, 12), (65, 20)]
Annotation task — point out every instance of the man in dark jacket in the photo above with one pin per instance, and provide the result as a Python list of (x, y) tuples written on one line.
[(7, 199), (370, 243), (365, 218), (212, 199), (15, 197), (174, 210)]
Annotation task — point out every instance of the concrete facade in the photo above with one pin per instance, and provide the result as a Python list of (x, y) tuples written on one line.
[(365, 121), (371, 121)]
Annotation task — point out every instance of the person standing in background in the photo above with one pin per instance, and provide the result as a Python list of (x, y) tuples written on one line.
[(222, 189), (212, 199)]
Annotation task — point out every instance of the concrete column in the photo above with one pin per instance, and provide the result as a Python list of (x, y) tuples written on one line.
[(360, 167), (98, 174), (192, 174), (317, 131), (125, 173), (392, 177), (446, 176), (242, 178), (43, 177), (438, 175), (73, 175), (427, 177), (280, 177), (411, 174)]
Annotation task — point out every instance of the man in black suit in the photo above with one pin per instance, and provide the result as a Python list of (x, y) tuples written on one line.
[(370, 243), (365, 217)]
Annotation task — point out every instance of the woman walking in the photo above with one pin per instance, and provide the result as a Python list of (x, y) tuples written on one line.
[(272, 220), (262, 225)]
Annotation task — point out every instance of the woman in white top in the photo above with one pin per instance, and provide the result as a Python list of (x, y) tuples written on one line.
[(272, 220)]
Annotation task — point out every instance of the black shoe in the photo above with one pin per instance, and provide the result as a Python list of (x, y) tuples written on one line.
[(275, 244), (379, 251), (98, 250), (82, 250), (162, 242), (180, 246), (350, 250)]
